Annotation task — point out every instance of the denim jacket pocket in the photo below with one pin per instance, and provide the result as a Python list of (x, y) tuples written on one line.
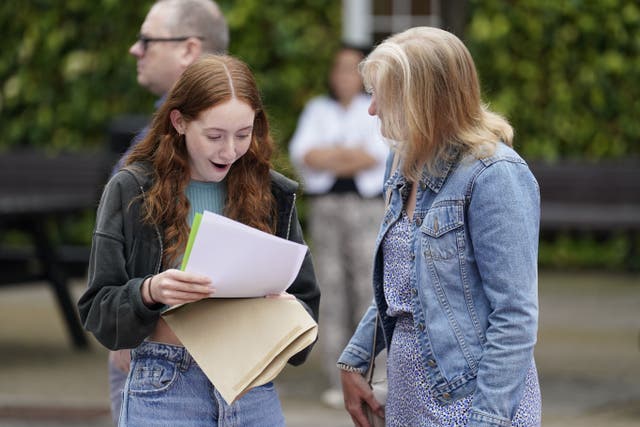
[(437, 225)]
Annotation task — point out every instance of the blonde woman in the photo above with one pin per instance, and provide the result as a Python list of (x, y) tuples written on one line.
[(455, 274)]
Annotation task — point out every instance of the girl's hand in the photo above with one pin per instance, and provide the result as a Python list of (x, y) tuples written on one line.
[(357, 393), (172, 287)]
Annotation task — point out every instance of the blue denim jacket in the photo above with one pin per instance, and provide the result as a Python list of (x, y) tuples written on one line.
[(475, 299)]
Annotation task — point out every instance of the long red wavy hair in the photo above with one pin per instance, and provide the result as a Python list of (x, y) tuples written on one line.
[(211, 80)]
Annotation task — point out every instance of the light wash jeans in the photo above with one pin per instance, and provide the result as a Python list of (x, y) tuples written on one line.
[(166, 388), (117, 380)]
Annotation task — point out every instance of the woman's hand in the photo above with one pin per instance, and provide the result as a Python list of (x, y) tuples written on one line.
[(356, 394), (172, 287)]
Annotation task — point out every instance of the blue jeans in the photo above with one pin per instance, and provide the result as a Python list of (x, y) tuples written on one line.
[(166, 388), (117, 380)]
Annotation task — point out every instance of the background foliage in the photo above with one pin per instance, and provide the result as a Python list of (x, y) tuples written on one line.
[(564, 72), (66, 73), (64, 70)]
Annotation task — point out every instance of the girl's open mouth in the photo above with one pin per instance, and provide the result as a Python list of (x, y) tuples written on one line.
[(220, 165)]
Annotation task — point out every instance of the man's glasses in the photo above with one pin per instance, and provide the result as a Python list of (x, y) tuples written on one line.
[(146, 40)]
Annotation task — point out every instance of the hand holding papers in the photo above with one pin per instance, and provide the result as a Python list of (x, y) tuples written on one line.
[(240, 260), (241, 340)]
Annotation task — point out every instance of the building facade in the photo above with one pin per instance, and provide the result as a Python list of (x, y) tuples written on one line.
[(367, 22)]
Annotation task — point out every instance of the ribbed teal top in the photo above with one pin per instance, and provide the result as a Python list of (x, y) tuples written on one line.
[(208, 196)]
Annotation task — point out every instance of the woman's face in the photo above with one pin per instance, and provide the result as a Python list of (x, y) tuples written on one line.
[(374, 110), (373, 106), (345, 79), (217, 138)]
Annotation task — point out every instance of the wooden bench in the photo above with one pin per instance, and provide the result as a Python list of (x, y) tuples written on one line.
[(37, 192), (596, 197)]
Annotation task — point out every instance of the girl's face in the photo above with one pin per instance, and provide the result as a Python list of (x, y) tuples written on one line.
[(217, 138)]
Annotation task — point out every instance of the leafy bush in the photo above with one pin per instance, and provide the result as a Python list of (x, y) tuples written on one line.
[(571, 251), (565, 73), (66, 71)]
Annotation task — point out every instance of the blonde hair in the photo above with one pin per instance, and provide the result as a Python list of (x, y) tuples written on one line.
[(428, 99)]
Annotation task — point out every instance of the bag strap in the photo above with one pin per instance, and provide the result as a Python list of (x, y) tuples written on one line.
[(372, 360), (394, 166), (387, 200)]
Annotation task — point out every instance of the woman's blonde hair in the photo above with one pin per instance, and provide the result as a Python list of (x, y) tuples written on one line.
[(428, 99), (211, 80)]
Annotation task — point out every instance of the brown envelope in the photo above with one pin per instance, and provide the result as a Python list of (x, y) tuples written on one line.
[(241, 343)]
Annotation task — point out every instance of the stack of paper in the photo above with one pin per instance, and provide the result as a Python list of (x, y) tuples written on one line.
[(241, 340), (240, 260)]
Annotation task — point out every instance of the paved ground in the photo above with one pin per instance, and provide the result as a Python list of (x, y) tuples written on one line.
[(588, 357)]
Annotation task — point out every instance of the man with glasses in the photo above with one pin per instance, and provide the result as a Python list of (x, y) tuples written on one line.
[(173, 35)]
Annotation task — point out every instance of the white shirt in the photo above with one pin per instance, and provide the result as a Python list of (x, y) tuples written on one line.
[(324, 122)]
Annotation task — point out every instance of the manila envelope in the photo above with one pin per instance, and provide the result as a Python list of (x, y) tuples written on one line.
[(241, 343)]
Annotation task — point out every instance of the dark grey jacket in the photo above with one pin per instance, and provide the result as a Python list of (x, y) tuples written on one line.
[(125, 251)]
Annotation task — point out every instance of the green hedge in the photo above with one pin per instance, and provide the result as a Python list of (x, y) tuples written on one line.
[(565, 73), (66, 71)]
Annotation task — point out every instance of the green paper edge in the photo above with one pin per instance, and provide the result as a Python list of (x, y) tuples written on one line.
[(197, 218)]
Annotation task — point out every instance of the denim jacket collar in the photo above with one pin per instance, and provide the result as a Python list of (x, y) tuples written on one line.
[(434, 182)]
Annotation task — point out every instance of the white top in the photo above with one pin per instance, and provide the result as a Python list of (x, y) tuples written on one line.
[(325, 123)]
